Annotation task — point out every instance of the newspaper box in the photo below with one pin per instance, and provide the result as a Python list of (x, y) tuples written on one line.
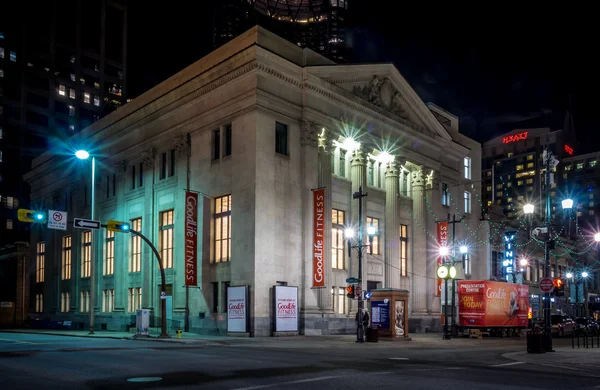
[(142, 322)]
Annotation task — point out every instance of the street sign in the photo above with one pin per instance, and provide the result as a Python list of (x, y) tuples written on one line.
[(546, 285), (163, 295), (358, 290), (352, 280), (57, 220), (86, 224)]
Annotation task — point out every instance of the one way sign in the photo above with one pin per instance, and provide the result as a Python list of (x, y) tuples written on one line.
[(86, 224)]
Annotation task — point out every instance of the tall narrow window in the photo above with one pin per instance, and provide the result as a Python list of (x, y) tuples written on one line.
[(445, 195), (223, 229), (65, 272), (65, 300), (403, 250), (62, 90), (166, 238), (39, 303), (370, 173), (107, 187), (342, 163), (135, 263), (281, 138), (141, 175), (216, 144), (86, 253), (337, 237), (163, 165), (228, 135), (40, 260), (114, 184), (467, 167), (133, 177), (172, 162), (109, 253), (108, 300), (135, 299), (86, 98), (467, 202), (84, 301), (374, 247), (341, 300)]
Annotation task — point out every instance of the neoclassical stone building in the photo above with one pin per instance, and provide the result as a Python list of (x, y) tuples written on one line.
[(268, 122)]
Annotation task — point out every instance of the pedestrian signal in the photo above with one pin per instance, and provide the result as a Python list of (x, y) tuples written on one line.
[(25, 215), (350, 291), (118, 226)]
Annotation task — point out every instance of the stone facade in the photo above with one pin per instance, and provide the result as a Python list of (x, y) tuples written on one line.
[(346, 126)]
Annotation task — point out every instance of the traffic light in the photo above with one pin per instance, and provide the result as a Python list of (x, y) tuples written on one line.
[(25, 215), (559, 287), (118, 226), (350, 291)]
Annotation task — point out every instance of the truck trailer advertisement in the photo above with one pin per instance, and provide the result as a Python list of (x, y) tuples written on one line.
[(483, 303)]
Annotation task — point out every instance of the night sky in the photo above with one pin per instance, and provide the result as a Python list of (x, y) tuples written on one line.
[(495, 70)]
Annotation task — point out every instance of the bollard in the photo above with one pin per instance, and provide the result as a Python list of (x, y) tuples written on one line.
[(179, 333)]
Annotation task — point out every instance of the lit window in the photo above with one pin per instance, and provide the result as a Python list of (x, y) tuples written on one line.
[(9, 224), (445, 195), (509, 200), (489, 203), (65, 299), (579, 165), (403, 250), (529, 157), (82, 80), (12, 202), (72, 59), (499, 186), (1, 132), (13, 56), (553, 185), (591, 204), (73, 77), (519, 182), (96, 100), (489, 173), (520, 167), (135, 299), (374, 247), (592, 163), (96, 85), (39, 303), (1, 52), (510, 154), (467, 168), (567, 167), (337, 237), (65, 272), (108, 300), (499, 201), (498, 193), (84, 301), (71, 111), (135, 263), (1, 72), (488, 188), (529, 189), (281, 138), (86, 253), (509, 184), (109, 253), (86, 98), (71, 127), (166, 238), (553, 194), (62, 90), (72, 93), (579, 214), (467, 198), (340, 305), (223, 229), (40, 260), (530, 165), (529, 181)]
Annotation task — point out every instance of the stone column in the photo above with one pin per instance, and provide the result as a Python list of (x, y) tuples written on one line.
[(310, 168), (434, 199), (325, 150), (358, 175), (419, 260), (392, 235)]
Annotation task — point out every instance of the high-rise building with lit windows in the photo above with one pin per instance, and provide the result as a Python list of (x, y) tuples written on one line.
[(320, 25), (63, 66)]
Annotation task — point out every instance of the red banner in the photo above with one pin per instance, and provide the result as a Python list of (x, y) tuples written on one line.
[(485, 303), (442, 239), (191, 239), (318, 237)]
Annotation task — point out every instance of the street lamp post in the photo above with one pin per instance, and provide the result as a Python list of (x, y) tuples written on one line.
[(84, 155)]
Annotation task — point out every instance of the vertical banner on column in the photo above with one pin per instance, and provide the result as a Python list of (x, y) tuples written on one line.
[(191, 239), (318, 237), (442, 239)]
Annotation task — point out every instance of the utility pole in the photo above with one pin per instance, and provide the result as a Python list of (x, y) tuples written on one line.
[(360, 334)]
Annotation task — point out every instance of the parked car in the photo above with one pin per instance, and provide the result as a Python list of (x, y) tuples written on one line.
[(562, 325), (587, 324)]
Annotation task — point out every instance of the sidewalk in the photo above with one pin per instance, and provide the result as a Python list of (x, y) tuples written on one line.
[(578, 359)]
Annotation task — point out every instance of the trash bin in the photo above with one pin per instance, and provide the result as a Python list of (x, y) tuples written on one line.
[(372, 335), (534, 342)]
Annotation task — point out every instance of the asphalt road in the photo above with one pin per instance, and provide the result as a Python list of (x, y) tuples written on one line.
[(30, 361)]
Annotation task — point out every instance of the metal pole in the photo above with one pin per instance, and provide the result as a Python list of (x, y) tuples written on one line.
[(453, 324), (445, 335), (576, 299), (163, 302), (93, 251), (361, 330), (547, 325)]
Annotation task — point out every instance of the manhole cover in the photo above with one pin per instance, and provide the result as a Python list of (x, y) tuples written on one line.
[(145, 379)]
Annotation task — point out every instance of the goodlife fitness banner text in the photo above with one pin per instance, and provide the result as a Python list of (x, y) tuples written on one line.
[(486, 303), (318, 237), (191, 238), (442, 238)]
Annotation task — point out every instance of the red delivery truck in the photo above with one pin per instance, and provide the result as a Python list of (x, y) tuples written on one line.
[(487, 304)]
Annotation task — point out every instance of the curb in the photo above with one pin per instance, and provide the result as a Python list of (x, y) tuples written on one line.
[(65, 335)]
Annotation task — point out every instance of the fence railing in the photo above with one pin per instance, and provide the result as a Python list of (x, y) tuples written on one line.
[(585, 339)]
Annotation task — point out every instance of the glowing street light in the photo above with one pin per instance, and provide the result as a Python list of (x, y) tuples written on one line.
[(444, 251), (463, 249), (528, 208), (584, 274), (82, 154), (523, 262), (569, 275), (597, 237), (567, 204), (371, 230), (349, 233)]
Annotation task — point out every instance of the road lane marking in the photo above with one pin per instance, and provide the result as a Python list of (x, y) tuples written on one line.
[(321, 378), (399, 358), (19, 341), (507, 364)]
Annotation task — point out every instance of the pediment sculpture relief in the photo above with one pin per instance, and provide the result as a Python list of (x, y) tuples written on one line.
[(382, 93)]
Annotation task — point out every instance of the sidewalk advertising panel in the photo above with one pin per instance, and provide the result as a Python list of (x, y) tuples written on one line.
[(380, 314), (237, 309), (286, 308), (487, 303)]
